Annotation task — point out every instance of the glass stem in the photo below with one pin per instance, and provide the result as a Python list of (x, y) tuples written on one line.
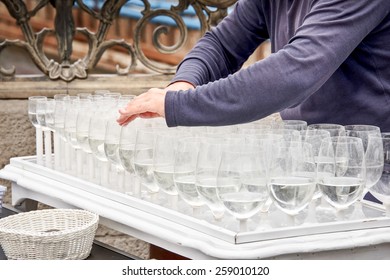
[(79, 163), (90, 166), (104, 173), (57, 151), (195, 211), (243, 225), (173, 201), (48, 148), (39, 144)]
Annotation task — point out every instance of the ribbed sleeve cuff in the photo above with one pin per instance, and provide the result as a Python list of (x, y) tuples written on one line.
[(169, 108)]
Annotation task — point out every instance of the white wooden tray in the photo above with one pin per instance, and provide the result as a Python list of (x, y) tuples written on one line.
[(271, 226)]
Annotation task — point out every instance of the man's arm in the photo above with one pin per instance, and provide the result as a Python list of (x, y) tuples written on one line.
[(329, 34)]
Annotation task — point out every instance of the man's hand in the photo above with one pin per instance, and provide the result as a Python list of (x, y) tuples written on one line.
[(150, 104), (146, 105)]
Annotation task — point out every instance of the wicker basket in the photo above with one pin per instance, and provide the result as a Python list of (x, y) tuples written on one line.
[(50, 234)]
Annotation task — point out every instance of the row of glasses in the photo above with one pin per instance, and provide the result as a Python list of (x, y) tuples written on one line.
[(206, 170), (157, 156)]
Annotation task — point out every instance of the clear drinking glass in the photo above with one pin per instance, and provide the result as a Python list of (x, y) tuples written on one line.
[(97, 132), (242, 181), (59, 137), (32, 115), (126, 153), (112, 139), (32, 109), (381, 190), (185, 158), (342, 180), (292, 177), (49, 107), (73, 107), (374, 158), (209, 156), (45, 116), (113, 133), (163, 161), (97, 126), (143, 160), (314, 138), (373, 149)]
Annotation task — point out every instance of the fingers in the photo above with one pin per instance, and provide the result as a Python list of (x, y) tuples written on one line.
[(147, 105), (125, 120)]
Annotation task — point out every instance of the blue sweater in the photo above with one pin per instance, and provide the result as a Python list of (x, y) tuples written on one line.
[(330, 64)]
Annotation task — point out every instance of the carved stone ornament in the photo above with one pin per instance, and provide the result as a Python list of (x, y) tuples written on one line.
[(209, 13)]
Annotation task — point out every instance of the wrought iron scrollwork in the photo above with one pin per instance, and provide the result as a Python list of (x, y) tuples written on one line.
[(209, 12)]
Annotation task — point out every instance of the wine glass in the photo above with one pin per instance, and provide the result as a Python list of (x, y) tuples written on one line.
[(97, 132), (185, 158), (374, 158), (292, 177), (82, 131), (210, 151), (373, 151), (314, 137), (143, 160), (45, 116), (70, 123), (342, 180), (163, 162), (242, 181), (127, 140), (32, 115), (381, 190), (59, 137), (112, 137), (126, 150)]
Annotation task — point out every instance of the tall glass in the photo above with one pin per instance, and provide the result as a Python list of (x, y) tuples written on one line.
[(242, 181), (143, 161), (97, 132), (314, 137), (82, 131), (185, 158), (209, 156), (112, 139), (126, 150), (381, 190), (373, 152), (163, 164), (59, 137), (45, 117), (342, 180), (292, 179), (32, 115)]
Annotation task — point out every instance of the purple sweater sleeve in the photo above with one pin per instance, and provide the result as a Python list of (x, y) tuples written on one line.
[(330, 31)]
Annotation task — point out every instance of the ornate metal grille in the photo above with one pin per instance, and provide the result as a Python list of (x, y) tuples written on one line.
[(209, 12)]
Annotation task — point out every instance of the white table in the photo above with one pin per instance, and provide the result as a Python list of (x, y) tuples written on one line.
[(190, 237)]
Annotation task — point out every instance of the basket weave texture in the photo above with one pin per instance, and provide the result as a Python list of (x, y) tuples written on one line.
[(49, 234)]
